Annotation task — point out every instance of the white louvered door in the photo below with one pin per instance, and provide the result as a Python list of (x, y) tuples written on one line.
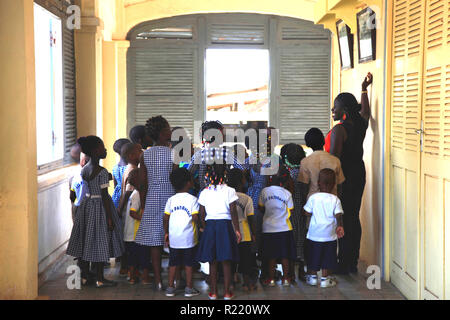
[(420, 149), (435, 170), (407, 62)]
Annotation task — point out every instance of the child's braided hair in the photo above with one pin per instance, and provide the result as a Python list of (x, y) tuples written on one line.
[(207, 126), (155, 125), (291, 155), (280, 178), (89, 144), (216, 174)]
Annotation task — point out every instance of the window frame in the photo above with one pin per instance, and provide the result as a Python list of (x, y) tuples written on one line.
[(59, 9)]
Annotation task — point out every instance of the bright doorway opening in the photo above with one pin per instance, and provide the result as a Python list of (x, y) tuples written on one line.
[(237, 85)]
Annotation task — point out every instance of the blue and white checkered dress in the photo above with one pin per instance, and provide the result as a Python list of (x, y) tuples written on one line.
[(204, 156), (159, 163), (90, 239), (117, 173)]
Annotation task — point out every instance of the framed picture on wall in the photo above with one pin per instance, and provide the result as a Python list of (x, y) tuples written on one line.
[(345, 40), (367, 35)]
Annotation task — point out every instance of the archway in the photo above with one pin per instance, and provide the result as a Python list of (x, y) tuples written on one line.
[(166, 67)]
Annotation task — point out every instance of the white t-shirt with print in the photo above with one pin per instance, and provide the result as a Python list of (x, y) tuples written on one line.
[(131, 224), (244, 208), (324, 207), (182, 229), (278, 204), (217, 200)]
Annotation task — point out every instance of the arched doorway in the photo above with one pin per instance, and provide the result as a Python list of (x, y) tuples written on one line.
[(166, 68)]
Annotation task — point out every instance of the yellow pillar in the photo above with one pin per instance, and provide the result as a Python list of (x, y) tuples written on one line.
[(18, 166), (88, 57), (114, 96)]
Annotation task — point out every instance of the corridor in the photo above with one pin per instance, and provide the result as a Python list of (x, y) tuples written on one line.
[(350, 287), (78, 68)]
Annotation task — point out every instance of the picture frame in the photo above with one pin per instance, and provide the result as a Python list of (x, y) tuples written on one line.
[(367, 35), (345, 41)]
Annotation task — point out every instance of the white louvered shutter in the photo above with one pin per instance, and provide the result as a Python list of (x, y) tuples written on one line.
[(303, 80), (164, 84), (243, 30)]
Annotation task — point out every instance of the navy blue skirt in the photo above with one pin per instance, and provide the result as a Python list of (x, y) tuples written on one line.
[(218, 242), (278, 245)]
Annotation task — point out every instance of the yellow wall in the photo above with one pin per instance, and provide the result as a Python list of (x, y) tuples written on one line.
[(350, 81), (18, 170), (120, 16)]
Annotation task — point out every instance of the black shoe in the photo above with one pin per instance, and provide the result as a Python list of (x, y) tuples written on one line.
[(342, 270), (353, 269), (105, 283)]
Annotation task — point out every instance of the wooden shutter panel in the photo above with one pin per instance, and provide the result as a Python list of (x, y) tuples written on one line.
[(70, 116), (164, 84), (303, 80), (251, 34), (243, 29)]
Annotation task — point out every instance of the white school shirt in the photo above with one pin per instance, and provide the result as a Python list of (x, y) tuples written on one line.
[(278, 204), (217, 200), (244, 208), (182, 230), (324, 207), (80, 188), (131, 224)]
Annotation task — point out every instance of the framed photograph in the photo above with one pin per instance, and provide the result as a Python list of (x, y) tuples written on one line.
[(367, 35), (345, 40)]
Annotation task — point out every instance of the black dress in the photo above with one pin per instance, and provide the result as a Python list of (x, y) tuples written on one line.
[(352, 191)]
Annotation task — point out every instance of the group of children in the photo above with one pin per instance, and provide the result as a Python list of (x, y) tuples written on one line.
[(228, 212)]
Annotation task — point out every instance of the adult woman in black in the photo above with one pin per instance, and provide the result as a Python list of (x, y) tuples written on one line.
[(347, 144)]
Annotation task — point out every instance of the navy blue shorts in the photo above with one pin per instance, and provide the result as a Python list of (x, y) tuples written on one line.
[(278, 245), (143, 254), (321, 255), (218, 242), (132, 254), (247, 258), (182, 257)]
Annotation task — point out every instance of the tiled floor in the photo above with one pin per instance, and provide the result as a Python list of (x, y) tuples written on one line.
[(349, 287)]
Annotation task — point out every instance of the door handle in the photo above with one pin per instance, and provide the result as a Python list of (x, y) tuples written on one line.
[(422, 133)]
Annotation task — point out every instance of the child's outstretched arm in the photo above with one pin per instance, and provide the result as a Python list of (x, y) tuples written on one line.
[(107, 206), (202, 213), (143, 183), (73, 196), (261, 209), (252, 224), (235, 220), (136, 215), (340, 227), (166, 228), (123, 202)]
